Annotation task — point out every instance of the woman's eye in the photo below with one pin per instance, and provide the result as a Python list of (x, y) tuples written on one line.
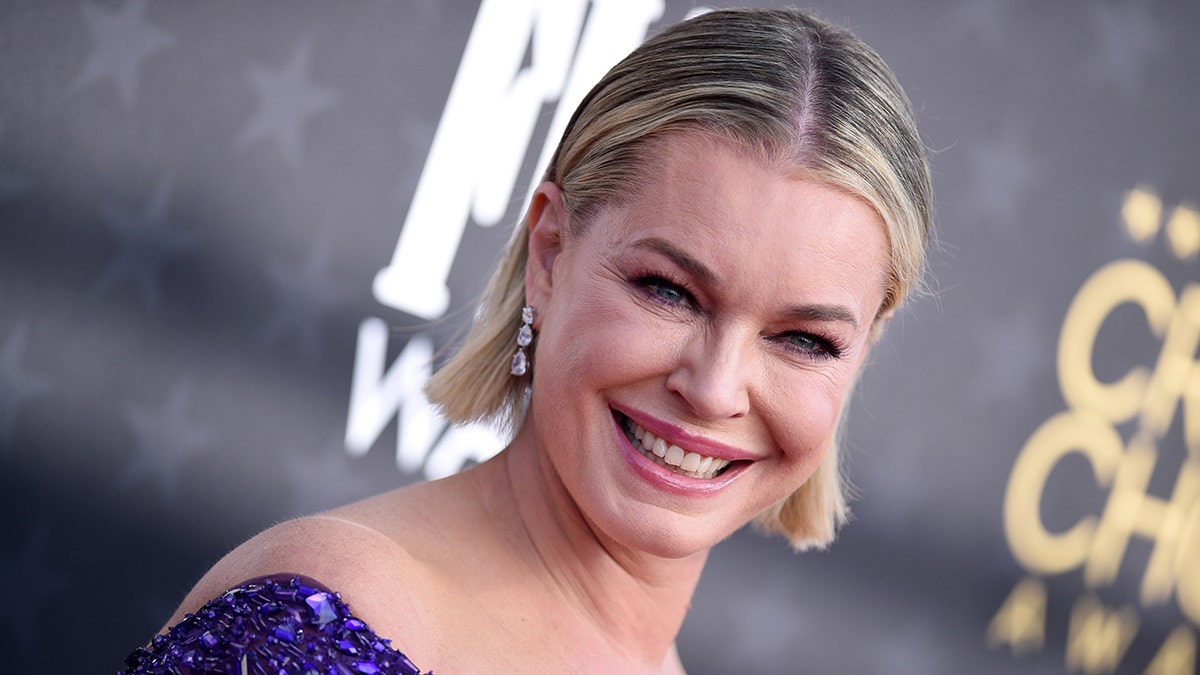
[(666, 292), (813, 345), (669, 293)]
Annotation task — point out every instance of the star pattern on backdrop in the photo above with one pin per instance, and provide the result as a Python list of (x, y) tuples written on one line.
[(982, 21), (1001, 173), (237, 107), (305, 296), (18, 385), (287, 98), (165, 438), (122, 40), (36, 583), (145, 246), (1127, 37)]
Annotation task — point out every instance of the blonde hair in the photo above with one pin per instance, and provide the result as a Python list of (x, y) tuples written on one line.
[(792, 89)]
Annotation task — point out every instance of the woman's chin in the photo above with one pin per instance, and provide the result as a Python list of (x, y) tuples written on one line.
[(654, 531)]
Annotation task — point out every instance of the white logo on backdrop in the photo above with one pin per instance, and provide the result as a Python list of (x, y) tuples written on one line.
[(484, 135)]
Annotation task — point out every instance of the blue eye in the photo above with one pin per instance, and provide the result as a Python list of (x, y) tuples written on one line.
[(669, 293), (665, 292), (812, 345), (805, 342)]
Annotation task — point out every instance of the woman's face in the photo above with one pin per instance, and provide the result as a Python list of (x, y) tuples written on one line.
[(724, 311)]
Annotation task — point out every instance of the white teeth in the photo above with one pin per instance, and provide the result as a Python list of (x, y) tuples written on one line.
[(691, 462), (673, 456)]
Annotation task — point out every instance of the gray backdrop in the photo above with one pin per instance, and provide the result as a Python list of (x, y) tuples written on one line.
[(196, 197)]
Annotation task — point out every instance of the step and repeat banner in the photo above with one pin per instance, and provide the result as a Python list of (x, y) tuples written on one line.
[(233, 236)]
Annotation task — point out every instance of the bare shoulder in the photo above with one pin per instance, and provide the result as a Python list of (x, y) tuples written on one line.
[(372, 571), (386, 557)]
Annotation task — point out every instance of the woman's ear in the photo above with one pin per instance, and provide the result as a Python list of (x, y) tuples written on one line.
[(547, 222)]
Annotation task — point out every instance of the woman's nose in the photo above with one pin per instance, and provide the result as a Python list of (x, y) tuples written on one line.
[(713, 378)]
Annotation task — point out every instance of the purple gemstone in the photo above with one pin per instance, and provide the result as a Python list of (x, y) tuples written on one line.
[(268, 627), (347, 646), (322, 607)]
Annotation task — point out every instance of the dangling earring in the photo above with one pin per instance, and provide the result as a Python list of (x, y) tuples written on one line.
[(520, 363)]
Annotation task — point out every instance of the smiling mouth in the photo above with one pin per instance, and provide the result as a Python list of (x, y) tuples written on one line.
[(671, 457)]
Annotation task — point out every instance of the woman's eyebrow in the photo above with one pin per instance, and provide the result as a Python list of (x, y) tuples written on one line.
[(692, 266), (823, 313)]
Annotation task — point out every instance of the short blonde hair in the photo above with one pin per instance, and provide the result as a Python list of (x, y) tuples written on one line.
[(789, 87)]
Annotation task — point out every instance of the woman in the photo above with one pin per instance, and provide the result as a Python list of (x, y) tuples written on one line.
[(729, 221)]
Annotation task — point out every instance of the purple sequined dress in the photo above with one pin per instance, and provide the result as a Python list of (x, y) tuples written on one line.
[(275, 625)]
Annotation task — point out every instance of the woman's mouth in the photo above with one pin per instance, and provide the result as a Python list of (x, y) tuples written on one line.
[(669, 456)]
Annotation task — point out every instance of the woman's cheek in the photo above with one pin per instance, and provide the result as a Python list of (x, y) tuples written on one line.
[(807, 410)]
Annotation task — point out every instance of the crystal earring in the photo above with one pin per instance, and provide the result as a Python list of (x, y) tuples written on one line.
[(520, 363)]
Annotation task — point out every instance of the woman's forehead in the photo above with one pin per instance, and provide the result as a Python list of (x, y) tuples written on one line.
[(746, 222), (702, 178)]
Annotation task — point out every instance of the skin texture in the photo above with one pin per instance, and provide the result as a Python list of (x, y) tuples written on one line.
[(728, 307)]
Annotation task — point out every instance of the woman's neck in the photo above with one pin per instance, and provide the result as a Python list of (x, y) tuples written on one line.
[(635, 600)]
